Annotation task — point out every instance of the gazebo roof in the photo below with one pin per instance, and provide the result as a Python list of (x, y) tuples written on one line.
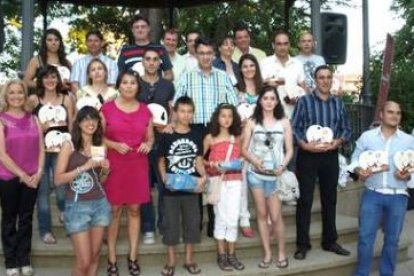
[(139, 3)]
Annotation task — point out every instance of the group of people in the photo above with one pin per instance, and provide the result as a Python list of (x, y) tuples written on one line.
[(118, 151)]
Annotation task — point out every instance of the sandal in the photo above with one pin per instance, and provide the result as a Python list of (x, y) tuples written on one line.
[(192, 268), (48, 238), (133, 267), (234, 262), (283, 263), (168, 270), (265, 264), (112, 269), (223, 263)]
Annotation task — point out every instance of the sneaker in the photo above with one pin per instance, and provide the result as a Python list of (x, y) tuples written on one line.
[(12, 272), (27, 270), (148, 238)]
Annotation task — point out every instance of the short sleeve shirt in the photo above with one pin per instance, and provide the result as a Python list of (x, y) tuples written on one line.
[(310, 63)]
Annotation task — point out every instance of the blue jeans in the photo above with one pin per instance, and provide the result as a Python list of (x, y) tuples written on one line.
[(46, 185), (376, 208)]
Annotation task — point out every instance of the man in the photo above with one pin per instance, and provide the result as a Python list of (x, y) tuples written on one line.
[(178, 61), (131, 55), (309, 59), (283, 71), (191, 61), (208, 87), (319, 161), (94, 43), (242, 41), (384, 200), (154, 89)]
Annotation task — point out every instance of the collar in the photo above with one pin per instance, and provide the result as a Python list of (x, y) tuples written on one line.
[(378, 131), (288, 62), (98, 56), (213, 70), (316, 95)]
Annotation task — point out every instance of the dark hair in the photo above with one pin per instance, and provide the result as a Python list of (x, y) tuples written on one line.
[(45, 71), (239, 28), (89, 67), (172, 31), (319, 68), (150, 49), (278, 112), (184, 100), (129, 73), (95, 33), (61, 51), (223, 39), (137, 18), (281, 32), (84, 113), (241, 85), (191, 32), (203, 41), (235, 128)]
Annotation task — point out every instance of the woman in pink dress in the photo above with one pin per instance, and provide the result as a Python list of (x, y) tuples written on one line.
[(129, 138)]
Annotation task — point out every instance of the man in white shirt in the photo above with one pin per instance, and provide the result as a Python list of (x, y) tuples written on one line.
[(284, 72), (94, 43), (178, 61), (242, 41), (309, 59), (191, 61)]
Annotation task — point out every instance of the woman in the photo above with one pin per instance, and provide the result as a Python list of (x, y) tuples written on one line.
[(224, 62), (21, 162), (97, 83), (251, 79), (249, 86), (53, 108), (87, 211), (52, 51), (129, 137), (267, 146)]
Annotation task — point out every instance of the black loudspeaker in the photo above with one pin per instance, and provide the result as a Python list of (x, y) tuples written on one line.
[(334, 37)]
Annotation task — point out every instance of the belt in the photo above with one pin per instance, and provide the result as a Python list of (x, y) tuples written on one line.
[(389, 191)]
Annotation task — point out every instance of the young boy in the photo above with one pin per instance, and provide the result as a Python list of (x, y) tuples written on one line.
[(181, 152)]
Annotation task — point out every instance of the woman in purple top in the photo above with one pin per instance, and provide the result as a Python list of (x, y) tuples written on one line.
[(21, 162)]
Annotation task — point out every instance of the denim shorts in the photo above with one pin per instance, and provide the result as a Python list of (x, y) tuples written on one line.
[(269, 187), (81, 216)]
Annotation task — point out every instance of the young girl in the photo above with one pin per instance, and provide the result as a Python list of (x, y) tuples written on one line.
[(87, 209), (267, 145), (223, 142)]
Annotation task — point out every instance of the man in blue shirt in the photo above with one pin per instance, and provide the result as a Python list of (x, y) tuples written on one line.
[(316, 161), (385, 196)]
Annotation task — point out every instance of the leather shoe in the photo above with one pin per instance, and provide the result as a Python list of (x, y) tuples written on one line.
[(300, 254), (337, 249)]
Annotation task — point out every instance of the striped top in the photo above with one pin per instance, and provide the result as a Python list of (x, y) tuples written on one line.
[(312, 110), (207, 92)]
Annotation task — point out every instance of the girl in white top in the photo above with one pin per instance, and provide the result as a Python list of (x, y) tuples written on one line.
[(267, 146)]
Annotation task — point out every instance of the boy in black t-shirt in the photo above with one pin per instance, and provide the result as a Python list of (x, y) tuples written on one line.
[(181, 152)]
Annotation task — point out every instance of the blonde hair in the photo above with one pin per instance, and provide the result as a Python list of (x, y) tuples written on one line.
[(4, 106)]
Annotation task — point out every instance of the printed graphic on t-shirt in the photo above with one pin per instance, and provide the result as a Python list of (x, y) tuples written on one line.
[(82, 184), (181, 156)]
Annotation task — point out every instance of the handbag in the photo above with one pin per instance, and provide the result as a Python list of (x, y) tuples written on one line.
[(214, 183), (181, 182), (288, 189)]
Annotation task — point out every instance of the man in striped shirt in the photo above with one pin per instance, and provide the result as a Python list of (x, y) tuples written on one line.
[(319, 161), (207, 87)]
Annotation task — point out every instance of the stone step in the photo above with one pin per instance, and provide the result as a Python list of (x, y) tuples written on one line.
[(317, 263), (62, 253), (289, 216)]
